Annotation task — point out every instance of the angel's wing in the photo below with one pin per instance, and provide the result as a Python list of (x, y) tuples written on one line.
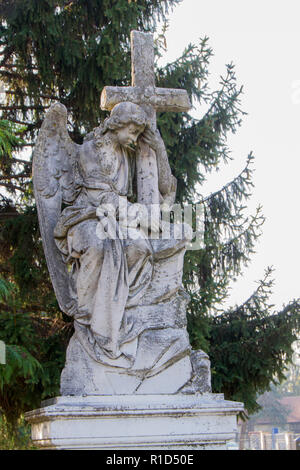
[(54, 182)]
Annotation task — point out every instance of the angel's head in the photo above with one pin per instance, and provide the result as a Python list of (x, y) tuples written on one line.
[(127, 122)]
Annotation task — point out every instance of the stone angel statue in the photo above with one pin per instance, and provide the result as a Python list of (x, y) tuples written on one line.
[(123, 288)]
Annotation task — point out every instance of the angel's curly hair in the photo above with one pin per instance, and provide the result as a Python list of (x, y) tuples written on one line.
[(123, 114)]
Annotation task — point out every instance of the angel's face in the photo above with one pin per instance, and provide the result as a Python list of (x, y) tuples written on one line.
[(127, 136)]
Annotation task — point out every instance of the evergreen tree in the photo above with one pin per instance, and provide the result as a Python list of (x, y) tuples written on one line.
[(68, 51)]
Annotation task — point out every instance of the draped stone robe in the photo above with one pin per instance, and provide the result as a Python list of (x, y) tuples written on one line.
[(111, 277)]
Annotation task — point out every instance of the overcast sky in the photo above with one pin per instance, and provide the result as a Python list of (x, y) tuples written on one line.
[(262, 39)]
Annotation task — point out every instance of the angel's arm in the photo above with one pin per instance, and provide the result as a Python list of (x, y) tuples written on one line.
[(167, 183)]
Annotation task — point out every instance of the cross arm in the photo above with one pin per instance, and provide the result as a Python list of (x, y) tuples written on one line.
[(170, 99), (161, 99), (112, 95)]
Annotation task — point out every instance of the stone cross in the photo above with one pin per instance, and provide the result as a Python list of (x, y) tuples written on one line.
[(152, 99)]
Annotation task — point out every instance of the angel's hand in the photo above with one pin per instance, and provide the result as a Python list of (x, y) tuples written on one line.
[(153, 139)]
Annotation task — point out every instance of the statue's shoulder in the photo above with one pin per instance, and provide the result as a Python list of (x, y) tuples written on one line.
[(96, 139), (96, 135), (95, 150)]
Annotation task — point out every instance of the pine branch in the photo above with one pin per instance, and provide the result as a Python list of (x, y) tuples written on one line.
[(16, 75), (26, 145), (229, 256), (23, 93), (17, 176), (23, 107), (29, 125), (219, 95), (262, 292), (32, 308), (7, 53), (8, 215), (246, 171), (13, 187), (11, 66), (257, 221), (18, 160)]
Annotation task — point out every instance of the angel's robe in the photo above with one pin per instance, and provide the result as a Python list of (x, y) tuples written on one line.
[(110, 275), (106, 273)]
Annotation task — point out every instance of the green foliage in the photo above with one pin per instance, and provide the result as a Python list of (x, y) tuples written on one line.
[(196, 147), (68, 51), (49, 51), (251, 344), (20, 364), (27, 267), (5, 289), (15, 439), (35, 354), (9, 141), (8, 138)]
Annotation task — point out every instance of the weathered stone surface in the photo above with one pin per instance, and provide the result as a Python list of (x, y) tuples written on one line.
[(169, 380), (83, 376), (131, 379), (162, 99), (144, 93), (124, 292), (153, 334), (200, 381), (135, 422)]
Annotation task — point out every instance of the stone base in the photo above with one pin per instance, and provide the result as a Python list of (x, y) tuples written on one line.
[(137, 422)]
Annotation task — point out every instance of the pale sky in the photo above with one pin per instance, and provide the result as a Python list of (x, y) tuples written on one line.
[(262, 39)]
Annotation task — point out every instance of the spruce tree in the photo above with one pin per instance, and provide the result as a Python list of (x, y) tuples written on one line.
[(67, 51)]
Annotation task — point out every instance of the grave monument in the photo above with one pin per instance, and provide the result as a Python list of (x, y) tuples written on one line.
[(129, 369)]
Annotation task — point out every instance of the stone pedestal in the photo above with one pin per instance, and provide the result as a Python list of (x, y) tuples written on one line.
[(137, 422)]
